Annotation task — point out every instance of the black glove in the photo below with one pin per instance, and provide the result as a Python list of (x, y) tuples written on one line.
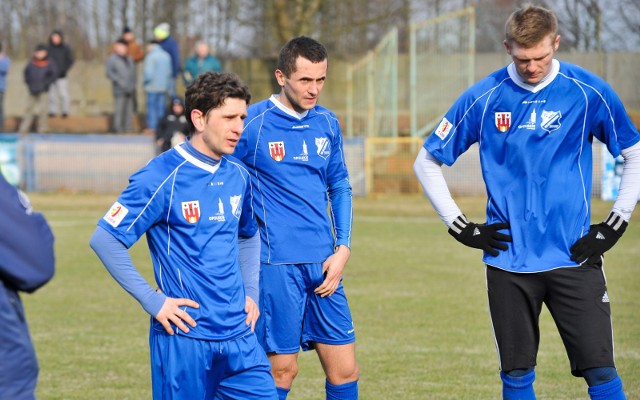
[(480, 236), (600, 239)]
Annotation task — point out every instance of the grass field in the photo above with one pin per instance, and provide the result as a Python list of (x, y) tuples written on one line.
[(418, 299)]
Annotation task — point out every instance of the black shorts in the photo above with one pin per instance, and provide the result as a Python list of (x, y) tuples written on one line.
[(578, 302)]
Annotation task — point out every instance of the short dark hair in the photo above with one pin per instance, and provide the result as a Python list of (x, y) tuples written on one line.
[(301, 46), (210, 90)]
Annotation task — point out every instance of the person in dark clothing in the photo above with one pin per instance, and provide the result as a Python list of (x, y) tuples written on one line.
[(173, 129), (61, 53), (27, 262), (39, 74), (121, 71)]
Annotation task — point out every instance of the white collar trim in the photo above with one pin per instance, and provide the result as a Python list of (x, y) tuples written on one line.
[(196, 162), (275, 100), (513, 74)]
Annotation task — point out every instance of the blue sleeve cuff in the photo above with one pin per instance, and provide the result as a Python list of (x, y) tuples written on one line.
[(340, 195), (115, 257), (249, 259)]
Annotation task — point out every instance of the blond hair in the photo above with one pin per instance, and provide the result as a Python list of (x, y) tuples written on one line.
[(529, 25)]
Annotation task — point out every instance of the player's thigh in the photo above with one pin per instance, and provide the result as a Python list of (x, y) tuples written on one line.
[(327, 319), (247, 372), (579, 304), (515, 302), (184, 368), (282, 305)]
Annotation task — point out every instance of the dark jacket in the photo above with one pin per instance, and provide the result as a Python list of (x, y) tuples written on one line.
[(62, 55), (169, 125), (39, 75), (121, 71), (171, 46), (26, 263)]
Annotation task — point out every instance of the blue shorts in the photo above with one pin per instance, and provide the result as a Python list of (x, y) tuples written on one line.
[(293, 316), (186, 368)]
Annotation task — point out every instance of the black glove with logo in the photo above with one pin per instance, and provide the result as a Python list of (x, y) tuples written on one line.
[(480, 236), (601, 238)]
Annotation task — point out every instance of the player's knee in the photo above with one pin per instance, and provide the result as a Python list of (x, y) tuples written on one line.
[(599, 376), (284, 374), (345, 374)]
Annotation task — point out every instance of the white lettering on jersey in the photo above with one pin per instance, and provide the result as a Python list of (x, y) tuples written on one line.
[(444, 128), (531, 123), (116, 214)]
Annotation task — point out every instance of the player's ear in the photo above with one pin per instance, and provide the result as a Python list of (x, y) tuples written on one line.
[(198, 119), (280, 77), (556, 43), (507, 47)]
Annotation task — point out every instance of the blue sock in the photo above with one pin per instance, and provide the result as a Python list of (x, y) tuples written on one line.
[(346, 391), (282, 393), (611, 390), (518, 388)]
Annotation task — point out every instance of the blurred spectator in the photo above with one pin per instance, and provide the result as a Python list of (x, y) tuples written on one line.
[(61, 54), (27, 262), (157, 80), (39, 74), (136, 52), (173, 129), (201, 61), (162, 34), (121, 71), (5, 63)]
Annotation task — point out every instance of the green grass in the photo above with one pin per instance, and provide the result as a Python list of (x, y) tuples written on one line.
[(417, 297)]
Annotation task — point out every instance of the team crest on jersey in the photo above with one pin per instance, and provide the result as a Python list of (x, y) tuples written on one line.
[(503, 121), (191, 211), (322, 144), (550, 120), (444, 128), (235, 205), (276, 149), (116, 214)]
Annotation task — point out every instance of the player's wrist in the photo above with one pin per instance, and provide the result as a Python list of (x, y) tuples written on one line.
[(616, 223)]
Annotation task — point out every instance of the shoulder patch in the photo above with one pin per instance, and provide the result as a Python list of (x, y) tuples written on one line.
[(116, 214), (444, 128)]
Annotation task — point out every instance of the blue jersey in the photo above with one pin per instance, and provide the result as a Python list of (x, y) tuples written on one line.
[(192, 214), (293, 160), (535, 154)]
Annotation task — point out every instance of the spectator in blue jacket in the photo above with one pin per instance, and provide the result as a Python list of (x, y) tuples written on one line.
[(162, 33), (202, 61), (157, 81), (39, 74), (26, 263), (5, 63)]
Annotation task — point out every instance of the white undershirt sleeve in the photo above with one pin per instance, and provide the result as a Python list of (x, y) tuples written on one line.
[(629, 190), (428, 169)]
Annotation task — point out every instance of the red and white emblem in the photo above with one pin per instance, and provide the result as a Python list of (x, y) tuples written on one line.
[(276, 149), (503, 121), (191, 211)]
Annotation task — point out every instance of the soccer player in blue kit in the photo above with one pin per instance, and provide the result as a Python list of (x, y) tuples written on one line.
[(293, 150), (534, 122), (194, 204)]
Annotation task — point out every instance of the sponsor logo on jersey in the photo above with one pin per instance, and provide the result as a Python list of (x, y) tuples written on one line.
[(304, 156), (444, 128), (220, 214), (503, 121), (191, 211), (116, 214), (323, 147), (531, 123), (236, 210), (276, 149), (550, 120)]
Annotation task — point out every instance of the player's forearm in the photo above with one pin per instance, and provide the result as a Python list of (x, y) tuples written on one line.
[(428, 170), (340, 195), (629, 190), (116, 259), (249, 259)]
